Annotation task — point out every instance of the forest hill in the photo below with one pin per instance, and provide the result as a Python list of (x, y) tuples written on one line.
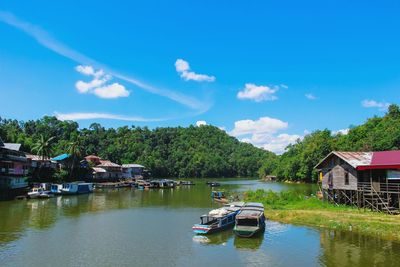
[(204, 151)]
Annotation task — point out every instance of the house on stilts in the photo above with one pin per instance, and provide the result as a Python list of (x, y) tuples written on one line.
[(363, 179)]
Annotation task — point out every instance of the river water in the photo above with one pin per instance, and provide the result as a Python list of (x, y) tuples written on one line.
[(128, 227)]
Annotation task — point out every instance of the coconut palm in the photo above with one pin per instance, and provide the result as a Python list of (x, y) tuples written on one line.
[(43, 147), (75, 151)]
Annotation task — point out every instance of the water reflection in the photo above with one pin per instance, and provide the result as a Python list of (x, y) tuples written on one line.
[(350, 249), (121, 226), (220, 238), (253, 243)]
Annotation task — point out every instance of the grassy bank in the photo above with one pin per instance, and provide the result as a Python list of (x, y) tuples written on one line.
[(294, 208)]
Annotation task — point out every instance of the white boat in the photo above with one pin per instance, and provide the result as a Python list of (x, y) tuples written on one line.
[(35, 192), (76, 188)]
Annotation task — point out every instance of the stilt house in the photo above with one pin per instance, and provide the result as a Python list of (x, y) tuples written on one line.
[(364, 179)]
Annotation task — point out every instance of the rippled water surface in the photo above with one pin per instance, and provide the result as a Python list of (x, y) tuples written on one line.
[(128, 227)]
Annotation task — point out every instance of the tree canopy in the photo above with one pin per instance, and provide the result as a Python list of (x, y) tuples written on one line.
[(204, 151), (297, 163)]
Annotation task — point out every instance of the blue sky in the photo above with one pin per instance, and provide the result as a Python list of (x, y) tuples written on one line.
[(266, 71)]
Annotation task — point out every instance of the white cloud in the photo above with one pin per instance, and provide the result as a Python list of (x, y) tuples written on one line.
[(277, 144), (262, 125), (374, 104), (200, 123), (341, 131), (274, 143), (85, 87), (94, 115), (263, 133), (258, 93), (114, 90), (310, 96), (181, 65), (47, 41), (183, 68), (98, 85)]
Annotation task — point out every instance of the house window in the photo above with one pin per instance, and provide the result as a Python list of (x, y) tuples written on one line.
[(346, 178)]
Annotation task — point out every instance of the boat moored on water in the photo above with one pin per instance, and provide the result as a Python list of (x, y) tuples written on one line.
[(250, 220), (75, 188), (56, 189), (162, 183), (35, 192), (218, 219), (219, 196), (213, 184), (185, 183)]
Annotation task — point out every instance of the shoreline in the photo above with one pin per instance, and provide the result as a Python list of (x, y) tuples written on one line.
[(287, 207), (366, 223)]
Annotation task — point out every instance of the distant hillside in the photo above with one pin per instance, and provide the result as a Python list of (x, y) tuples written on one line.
[(376, 134), (204, 151)]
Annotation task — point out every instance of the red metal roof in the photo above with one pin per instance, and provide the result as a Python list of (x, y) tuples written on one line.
[(383, 160)]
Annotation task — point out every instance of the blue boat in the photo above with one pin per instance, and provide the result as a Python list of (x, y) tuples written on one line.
[(56, 189), (218, 219), (76, 188)]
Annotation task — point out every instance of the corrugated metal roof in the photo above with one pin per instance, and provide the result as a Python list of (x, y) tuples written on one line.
[(355, 159), (61, 157), (12, 146), (132, 166), (386, 158), (107, 163), (368, 160), (36, 157)]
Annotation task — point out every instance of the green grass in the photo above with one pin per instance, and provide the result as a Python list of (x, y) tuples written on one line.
[(295, 208)]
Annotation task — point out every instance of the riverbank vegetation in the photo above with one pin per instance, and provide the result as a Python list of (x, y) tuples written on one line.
[(204, 151), (297, 163), (296, 208)]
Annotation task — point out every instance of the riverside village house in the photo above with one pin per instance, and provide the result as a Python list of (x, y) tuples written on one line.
[(363, 179), (14, 168)]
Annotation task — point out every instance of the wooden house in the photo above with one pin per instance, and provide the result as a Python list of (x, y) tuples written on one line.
[(13, 171), (132, 171), (104, 170), (364, 179)]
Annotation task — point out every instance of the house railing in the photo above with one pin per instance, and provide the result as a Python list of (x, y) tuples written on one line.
[(379, 187)]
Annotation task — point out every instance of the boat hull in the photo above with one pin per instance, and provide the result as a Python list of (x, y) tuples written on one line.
[(248, 231), (205, 230)]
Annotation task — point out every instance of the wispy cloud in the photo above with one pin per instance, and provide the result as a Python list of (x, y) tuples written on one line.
[(43, 38), (183, 68), (375, 104), (91, 116), (310, 96), (258, 93), (98, 85)]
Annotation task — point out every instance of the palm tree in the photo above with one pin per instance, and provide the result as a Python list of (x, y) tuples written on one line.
[(74, 150), (43, 147)]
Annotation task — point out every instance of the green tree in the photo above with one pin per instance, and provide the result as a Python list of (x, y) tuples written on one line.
[(43, 147)]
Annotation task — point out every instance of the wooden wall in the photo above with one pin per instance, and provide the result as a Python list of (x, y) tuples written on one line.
[(338, 168)]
